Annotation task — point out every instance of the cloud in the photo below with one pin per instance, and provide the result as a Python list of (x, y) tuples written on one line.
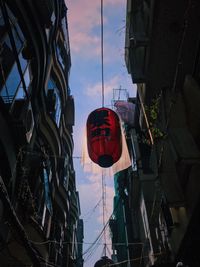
[(83, 19), (96, 89), (81, 40), (83, 16)]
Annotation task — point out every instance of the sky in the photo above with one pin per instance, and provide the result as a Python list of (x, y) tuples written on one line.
[(85, 84)]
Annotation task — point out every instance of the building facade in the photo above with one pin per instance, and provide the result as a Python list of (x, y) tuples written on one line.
[(39, 203), (162, 57)]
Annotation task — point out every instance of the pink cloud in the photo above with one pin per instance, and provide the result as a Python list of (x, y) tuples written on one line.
[(88, 43), (83, 17)]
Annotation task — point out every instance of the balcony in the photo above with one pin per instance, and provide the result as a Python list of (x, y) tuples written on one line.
[(159, 35), (137, 39), (143, 140)]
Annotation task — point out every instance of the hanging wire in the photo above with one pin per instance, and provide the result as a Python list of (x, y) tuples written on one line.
[(99, 237), (102, 55), (81, 243), (102, 83), (104, 207), (41, 154), (88, 215)]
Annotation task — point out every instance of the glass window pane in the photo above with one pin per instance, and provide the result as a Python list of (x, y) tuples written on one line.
[(47, 192), (13, 80), (60, 56), (19, 33), (23, 62), (5, 95), (2, 25), (27, 78), (20, 93), (8, 60), (18, 41), (56, 113), (58, 108)]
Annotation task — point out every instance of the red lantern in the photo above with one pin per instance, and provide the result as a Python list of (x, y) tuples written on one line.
[(104, 140)]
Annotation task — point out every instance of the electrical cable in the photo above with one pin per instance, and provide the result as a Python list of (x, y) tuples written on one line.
[(103, 232), (97, 239), (134, 259), (48, 263), (102, 54), (100, 234), (89, 213), (86, 243), (91, 253), (104, 206), (92, 248), (41, 154)]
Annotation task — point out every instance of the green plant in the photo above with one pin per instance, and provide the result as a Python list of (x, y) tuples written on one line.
[(152, 112)]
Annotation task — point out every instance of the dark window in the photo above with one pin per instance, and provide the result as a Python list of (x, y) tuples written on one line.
[(60, 56), (19, 40), (13, 86), (7, 60), (2, 25), (54, 102), (48, 201)]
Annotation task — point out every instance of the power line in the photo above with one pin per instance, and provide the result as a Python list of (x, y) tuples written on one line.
[(89, 213), (102, 55), (101, 233), (104, 207), (86, 243)]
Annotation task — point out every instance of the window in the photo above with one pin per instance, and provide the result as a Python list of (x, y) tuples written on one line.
[(2, 25), (10, 80), (12, 88), (47, 191), (19, 38), (54, 102), (60, 54)]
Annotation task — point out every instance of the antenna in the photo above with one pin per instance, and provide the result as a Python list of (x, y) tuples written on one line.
[(119, 94)]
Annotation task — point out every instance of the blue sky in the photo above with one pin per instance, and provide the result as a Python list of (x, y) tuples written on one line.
[(85, 84)]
